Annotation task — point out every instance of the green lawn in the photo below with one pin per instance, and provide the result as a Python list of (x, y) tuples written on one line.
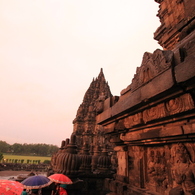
[(25, 158)]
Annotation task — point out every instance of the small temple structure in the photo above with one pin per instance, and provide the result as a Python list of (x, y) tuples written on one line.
[(143, 141)]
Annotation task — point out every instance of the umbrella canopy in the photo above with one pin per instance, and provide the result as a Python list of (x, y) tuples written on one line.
[(60, 178), (10, 187), (36, 182)]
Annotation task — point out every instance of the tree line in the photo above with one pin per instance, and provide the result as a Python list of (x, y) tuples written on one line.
[(28, 149)]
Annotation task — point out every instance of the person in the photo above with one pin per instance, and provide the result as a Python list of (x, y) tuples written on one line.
[(54, 187), (62, 189), (24, 192)]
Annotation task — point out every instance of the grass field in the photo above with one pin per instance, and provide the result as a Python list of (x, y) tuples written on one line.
[(25, 158)]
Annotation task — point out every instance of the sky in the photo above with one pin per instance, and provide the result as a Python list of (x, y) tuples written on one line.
[(50, 51)]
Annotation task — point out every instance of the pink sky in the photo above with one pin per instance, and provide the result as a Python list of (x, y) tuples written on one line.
[(50, 50)]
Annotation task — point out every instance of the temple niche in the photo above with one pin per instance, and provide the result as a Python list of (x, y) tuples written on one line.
[(143, 141)]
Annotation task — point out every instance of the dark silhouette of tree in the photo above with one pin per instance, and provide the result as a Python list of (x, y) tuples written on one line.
[(4, 147), (28, 149), (1, 156)]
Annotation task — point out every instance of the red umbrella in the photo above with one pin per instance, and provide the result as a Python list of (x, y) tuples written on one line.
[(60, 178), (10, 187)]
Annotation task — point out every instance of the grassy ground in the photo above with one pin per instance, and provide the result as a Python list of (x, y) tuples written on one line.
[(25, 158)]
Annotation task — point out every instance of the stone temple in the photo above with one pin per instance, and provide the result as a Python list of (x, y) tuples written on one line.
[(143, 141)]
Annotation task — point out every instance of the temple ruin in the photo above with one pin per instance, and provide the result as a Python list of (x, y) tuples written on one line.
[(143, 141)]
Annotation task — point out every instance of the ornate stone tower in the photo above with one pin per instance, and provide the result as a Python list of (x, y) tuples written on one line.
[(86, 133), (85, 126)]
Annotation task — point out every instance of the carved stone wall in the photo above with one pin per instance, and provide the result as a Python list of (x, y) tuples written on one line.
[(170, 168), (152, 125)]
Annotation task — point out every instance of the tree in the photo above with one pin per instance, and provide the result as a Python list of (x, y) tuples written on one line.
[(28, 149), (17, 148), (1, 156), (4, 146)]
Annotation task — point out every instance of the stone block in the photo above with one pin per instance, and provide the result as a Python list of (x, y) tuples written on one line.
[(127, 101), (171, 131), (109, 128), (189, 128), (181, 74), (159, 132), (158, 85), (104, 115), (114, 138)]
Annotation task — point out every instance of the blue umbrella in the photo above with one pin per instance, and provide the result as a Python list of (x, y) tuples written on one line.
[(36, 182)]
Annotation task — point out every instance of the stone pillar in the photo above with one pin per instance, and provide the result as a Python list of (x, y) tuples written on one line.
[(122, 158)]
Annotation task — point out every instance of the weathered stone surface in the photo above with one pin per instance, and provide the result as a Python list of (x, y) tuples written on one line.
[(126, 101), (157, 112), (181, 74), (176, 24), (152, 133), (122, 161), (143, 87), (158, 85), (143, 142), (105, 115)]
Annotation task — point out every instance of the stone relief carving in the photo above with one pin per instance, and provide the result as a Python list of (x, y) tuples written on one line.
[(121, 160), (156, 168), (133, 120), (180, 104), (119, 125), (171, 169), (183, 171), (174, 106), (152, 65), (154, 113), (147, 70), (135, 155), (162, 59), (150, 166)]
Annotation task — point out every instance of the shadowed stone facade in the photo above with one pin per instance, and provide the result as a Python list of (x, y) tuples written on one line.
[(85, 157), (142, 142)]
